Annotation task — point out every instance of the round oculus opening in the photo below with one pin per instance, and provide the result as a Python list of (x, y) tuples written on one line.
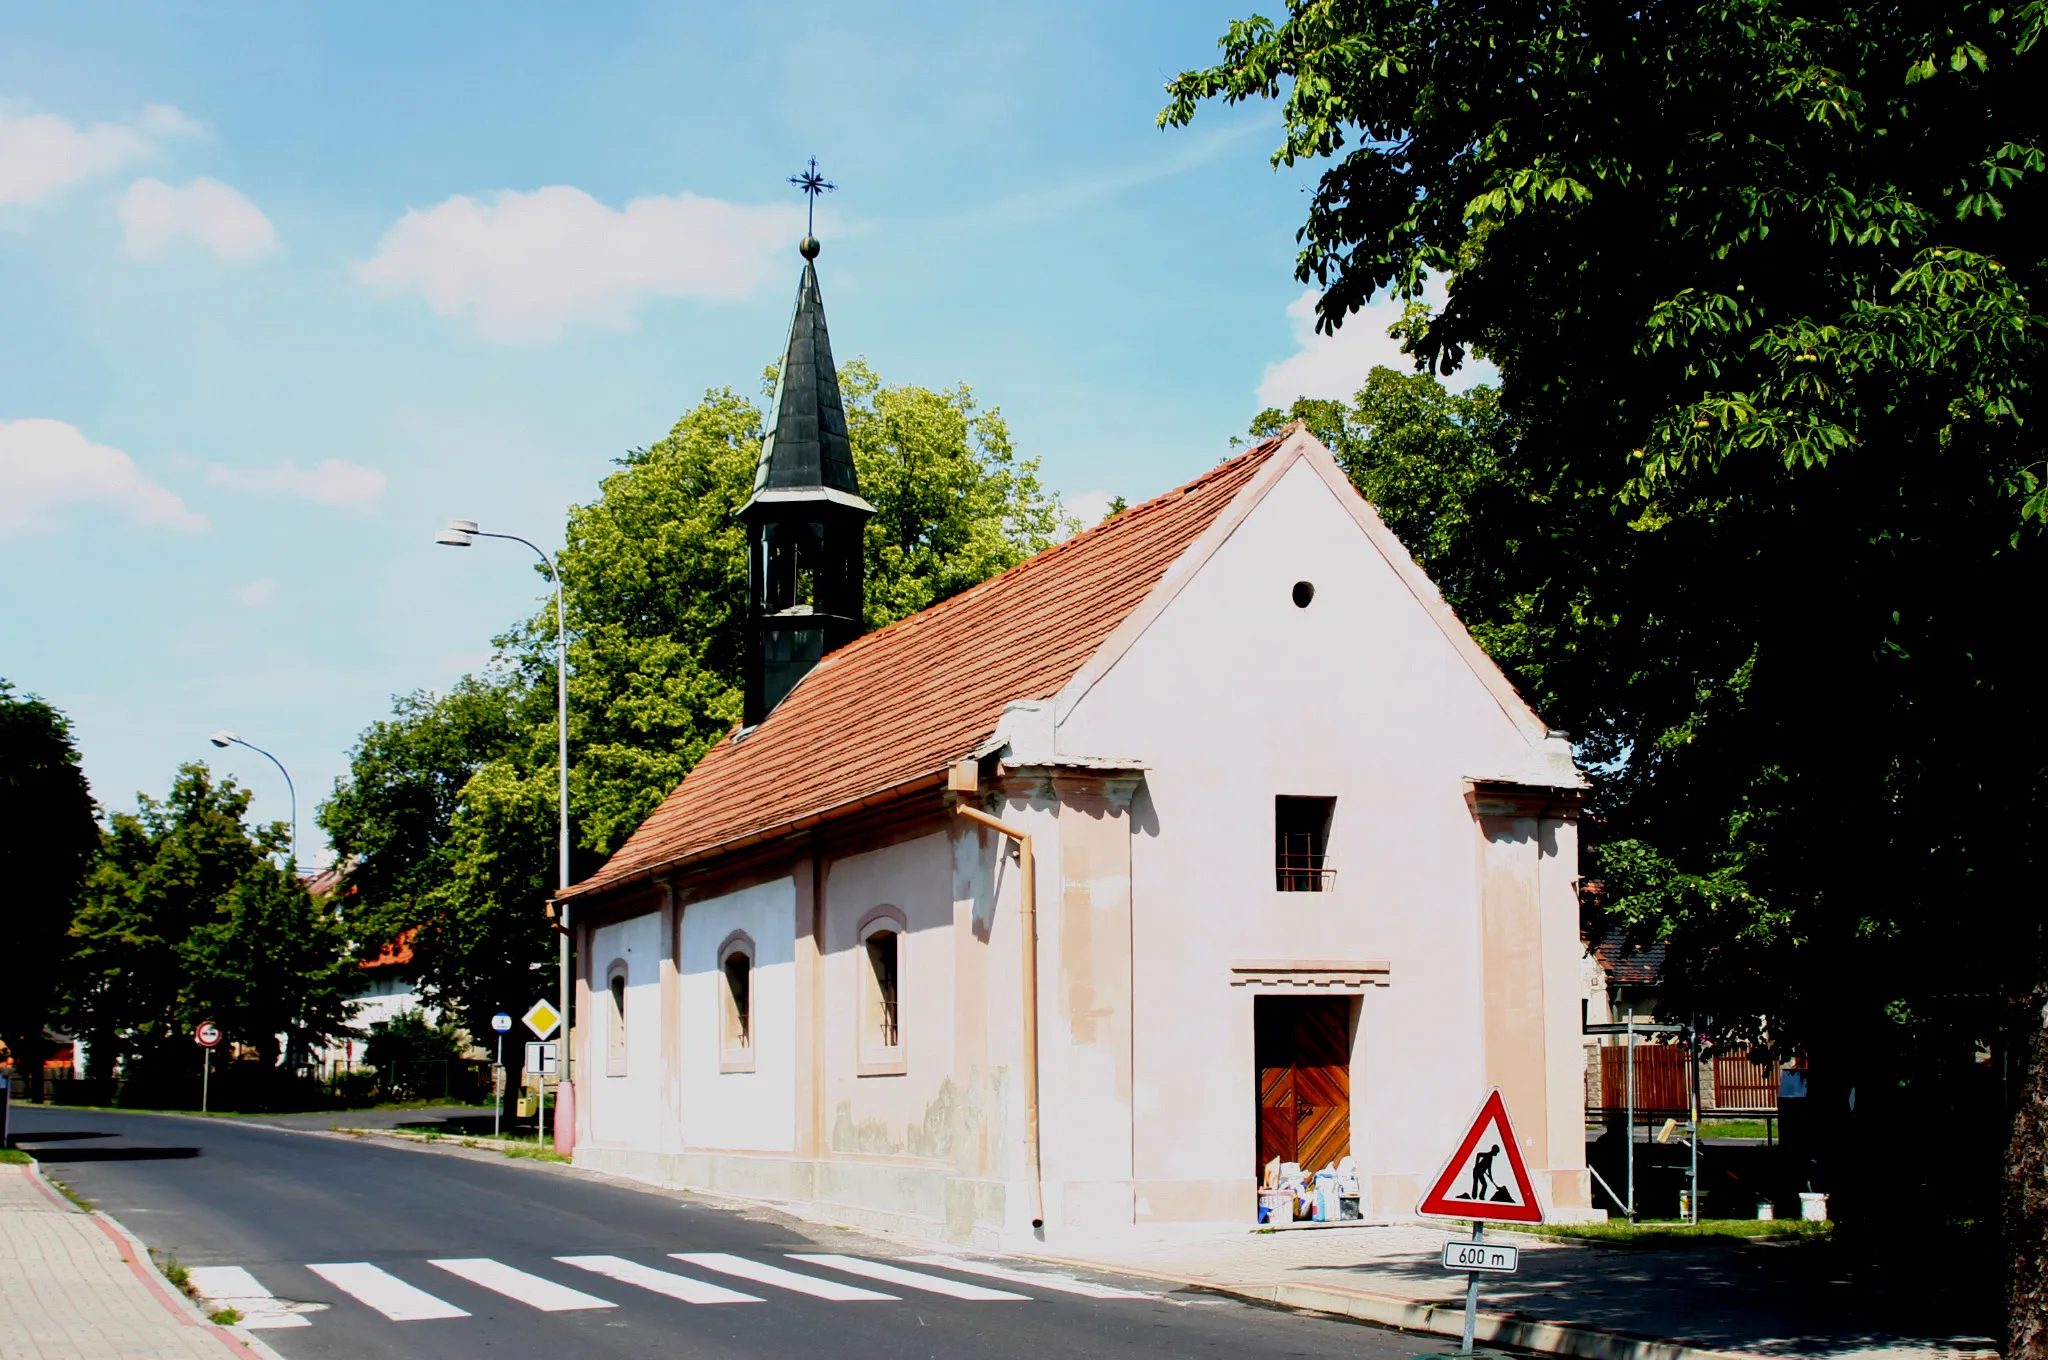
[(1304, 591)]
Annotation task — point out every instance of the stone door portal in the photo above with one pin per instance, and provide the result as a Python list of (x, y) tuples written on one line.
[(1303, 1045)]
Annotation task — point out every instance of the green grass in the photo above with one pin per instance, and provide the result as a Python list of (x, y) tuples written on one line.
[(1652, 1234), (537, 1152), (80, 1200), (226, 1317), (14, 1157), (1734, 1128), (172, 1271)]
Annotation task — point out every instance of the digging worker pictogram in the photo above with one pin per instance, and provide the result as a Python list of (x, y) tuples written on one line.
[(1482, 1173)]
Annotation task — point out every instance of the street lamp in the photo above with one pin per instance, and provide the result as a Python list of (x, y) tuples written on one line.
[(462, 533), (225, 739)]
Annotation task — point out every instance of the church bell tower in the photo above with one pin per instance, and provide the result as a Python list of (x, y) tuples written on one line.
[(805, 593)]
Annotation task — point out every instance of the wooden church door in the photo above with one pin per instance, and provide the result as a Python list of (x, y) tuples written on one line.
[(1303, 1045)]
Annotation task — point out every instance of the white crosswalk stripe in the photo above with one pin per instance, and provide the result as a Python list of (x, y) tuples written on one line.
[(728, 1264), (660, 1281), (386, 1293), (1064, 1284), (234, 1287), (531, 1290), (909, 1279)]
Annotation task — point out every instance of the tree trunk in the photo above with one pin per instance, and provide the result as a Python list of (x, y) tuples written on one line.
[(2026, 1193)]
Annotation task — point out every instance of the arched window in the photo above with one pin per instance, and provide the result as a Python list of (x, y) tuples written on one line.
[(881, 947), (736, 1003), (615, 1049), (880, 961)]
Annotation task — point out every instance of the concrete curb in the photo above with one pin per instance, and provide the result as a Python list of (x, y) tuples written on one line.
[(136, 1253), (498, 1145), (1414, 1315)]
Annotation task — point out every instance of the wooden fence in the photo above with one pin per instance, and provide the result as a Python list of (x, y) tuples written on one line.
[(1664, 1082), (1740, 1084)]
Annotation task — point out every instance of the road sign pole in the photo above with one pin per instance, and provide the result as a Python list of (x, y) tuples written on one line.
[(540, 1123), (498, 1085), (1631, 1141), (1472, 1292), (1692, 1061), (205, 1076)]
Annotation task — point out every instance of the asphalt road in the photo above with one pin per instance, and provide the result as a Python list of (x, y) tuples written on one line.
[(273, 1201)]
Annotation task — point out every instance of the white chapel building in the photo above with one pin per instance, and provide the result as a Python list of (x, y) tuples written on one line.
[(1203, 839)]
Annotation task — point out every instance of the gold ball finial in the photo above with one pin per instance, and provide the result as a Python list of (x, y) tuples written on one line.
[(808, 247)]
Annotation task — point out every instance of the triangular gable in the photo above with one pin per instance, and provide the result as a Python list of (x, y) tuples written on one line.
[(1298, 445)]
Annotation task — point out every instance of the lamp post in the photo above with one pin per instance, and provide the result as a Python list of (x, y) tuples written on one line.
[(225, 739), (462, 533)]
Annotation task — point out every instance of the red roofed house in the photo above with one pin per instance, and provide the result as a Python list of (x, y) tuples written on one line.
[(1301, 865)]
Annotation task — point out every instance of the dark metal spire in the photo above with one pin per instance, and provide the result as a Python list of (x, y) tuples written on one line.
[(807, 449)]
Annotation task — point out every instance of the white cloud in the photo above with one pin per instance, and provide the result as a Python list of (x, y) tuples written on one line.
[(257, 594), (41, 153), (155, 215), (524, 265), (1335, 366), (328, 482), (47, 466), (1088, 507)]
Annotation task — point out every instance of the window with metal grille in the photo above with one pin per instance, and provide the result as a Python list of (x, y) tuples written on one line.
[(739, 1012), (882, 1016), (1301, 843)]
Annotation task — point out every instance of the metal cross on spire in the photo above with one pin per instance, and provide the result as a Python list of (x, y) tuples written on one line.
[(813, 184)]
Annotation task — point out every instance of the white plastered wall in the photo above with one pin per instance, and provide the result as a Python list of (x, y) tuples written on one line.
[(740, 1111), (625, 1108), (1233, 695), (898, 1116)]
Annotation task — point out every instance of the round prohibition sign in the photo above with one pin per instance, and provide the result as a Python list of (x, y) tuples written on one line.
[(207, 1035)]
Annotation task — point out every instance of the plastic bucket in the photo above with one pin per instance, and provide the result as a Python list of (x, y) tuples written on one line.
[(1813, 1206)]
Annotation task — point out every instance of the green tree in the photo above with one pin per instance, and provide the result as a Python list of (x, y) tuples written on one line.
[(271, 968), (410, 820), (47, 841), (185, 918), (447, 819), (1763, 286), (655, 572), (412, 1056)]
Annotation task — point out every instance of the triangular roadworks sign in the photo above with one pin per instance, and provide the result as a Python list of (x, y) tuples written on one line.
[(1485, 1178)]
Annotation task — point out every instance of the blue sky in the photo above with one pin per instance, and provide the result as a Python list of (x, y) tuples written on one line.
[(287, 286)]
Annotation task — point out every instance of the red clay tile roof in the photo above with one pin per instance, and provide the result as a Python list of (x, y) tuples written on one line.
[(907, 701), (1631, 965), (395, 952)]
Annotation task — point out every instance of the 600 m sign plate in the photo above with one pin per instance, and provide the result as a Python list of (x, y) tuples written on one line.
[(1480, 1256)]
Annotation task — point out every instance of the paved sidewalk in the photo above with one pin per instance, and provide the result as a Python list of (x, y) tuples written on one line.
[(1596, 1301), (70, 1288)]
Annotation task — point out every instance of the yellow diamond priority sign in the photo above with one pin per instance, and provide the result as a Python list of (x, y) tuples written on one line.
[(542, 1019)]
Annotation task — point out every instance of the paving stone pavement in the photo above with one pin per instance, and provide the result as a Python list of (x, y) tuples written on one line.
[(67, 1293), (1727, 1298)]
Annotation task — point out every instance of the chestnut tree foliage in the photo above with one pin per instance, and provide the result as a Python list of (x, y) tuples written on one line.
[(448, 816), (1761, 522)]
